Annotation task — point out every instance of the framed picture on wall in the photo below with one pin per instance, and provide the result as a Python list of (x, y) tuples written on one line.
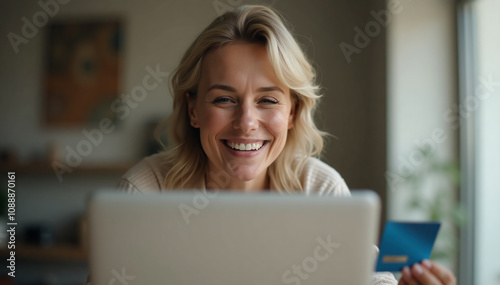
[(82, 71)]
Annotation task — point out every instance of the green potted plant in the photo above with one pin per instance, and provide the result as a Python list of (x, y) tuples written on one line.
[(441, 204)]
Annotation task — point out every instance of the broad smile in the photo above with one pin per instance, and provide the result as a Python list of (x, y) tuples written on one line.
[(245, 146)]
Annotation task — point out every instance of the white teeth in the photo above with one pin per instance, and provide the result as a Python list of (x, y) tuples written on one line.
[(241, 146)]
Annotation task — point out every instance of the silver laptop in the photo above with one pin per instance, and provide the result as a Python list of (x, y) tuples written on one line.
[(232, 238)]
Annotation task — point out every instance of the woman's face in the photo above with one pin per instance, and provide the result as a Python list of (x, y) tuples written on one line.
[(242, 110)]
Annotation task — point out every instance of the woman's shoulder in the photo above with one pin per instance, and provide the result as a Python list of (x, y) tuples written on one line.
[(319, 177), (145, 176)]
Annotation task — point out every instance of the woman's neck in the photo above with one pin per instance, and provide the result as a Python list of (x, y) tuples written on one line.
[(222, 181)]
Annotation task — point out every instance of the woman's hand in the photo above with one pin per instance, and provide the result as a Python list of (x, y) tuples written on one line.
[(427, 273)]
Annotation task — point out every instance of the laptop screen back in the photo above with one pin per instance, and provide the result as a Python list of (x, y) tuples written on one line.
[(232, 238)]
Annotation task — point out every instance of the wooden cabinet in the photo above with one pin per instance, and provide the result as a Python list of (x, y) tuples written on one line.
[(60, 252)]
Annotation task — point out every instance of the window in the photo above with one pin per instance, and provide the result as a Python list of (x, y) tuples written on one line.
[(479, 61)]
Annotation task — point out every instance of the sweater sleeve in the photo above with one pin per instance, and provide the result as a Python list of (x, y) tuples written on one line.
[(144, 177), (383, 278), (318, 177), (127, 186)]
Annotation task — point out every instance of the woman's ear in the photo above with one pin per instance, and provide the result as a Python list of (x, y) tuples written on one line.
[(192, 110), (293, 110)]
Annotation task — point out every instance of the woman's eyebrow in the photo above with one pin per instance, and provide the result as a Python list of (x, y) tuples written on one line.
[(222, 87), (271, 88), (231, 89)]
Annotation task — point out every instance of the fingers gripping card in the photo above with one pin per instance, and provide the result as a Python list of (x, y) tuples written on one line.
[(404, 244)]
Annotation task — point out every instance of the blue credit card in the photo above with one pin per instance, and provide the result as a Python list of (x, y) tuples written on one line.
[(404, 244)]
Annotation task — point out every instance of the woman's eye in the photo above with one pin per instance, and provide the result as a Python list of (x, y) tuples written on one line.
[(222, 100), (269, 101)]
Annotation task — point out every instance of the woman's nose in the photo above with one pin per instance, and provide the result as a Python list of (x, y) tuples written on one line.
[(246, 118)]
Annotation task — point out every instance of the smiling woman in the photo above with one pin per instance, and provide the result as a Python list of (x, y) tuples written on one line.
[(244, 97), (243, 125)]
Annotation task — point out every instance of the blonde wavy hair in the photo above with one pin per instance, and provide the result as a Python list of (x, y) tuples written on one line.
[(186, 160)]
